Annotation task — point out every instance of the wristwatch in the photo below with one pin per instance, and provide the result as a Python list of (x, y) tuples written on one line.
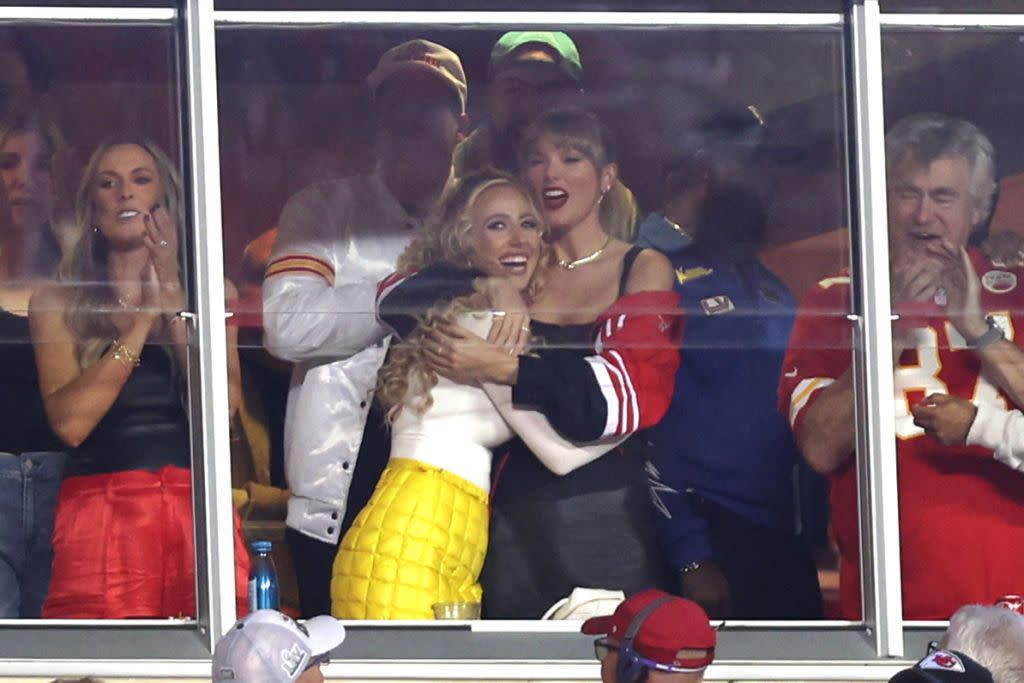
[(993, 334)]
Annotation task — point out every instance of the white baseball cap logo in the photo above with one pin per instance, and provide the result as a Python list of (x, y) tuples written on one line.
[(292, 659)]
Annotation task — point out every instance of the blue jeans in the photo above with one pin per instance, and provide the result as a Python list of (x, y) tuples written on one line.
[(29, 484)]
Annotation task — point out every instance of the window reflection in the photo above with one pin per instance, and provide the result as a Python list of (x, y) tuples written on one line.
[(953, 164), (95, 439), (296, 169), (33, 457)]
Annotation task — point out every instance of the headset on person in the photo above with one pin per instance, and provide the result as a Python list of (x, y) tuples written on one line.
[(630, 667)]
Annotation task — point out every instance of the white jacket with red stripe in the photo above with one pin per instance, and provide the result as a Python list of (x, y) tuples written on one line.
[(337, 240)]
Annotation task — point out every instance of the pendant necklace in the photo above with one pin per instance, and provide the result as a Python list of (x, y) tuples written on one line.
[(571, 265)]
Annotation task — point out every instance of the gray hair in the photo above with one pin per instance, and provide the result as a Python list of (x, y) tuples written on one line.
[(992, 636), (926, 138)]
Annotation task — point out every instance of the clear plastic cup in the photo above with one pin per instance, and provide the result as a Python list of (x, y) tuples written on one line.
[(456, 610)]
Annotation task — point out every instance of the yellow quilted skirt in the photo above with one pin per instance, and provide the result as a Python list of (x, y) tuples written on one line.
[(420, 540)]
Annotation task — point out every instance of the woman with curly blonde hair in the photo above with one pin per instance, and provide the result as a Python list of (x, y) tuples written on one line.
[(611, 326), (422, 537)]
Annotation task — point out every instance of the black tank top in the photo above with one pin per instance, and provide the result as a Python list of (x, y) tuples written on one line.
[(578, 335), (145, 429), (23, 424), (549, 534)]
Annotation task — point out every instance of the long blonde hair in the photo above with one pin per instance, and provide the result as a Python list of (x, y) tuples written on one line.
[(40, 122), (585, 133), (92, 296), (405, 380)]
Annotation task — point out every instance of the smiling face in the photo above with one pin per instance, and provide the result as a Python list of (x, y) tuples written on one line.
[(25, 160), (929, 203), (126, 187), (505, 236), (566, 182)]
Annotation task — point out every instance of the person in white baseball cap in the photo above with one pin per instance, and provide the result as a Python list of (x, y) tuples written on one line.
[(270, 647), (424, 57)]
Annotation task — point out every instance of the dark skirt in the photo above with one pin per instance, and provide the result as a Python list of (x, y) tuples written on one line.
[(592, 528)]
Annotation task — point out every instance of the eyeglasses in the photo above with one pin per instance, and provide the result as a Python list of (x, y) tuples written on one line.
[(602, 648)]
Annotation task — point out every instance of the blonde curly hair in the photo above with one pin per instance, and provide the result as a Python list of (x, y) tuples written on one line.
[(405, 380)]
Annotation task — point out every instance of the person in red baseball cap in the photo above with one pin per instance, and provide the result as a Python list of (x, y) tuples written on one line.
[(653, 637)]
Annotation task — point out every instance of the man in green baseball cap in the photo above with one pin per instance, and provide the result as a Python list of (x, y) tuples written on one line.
[(529, 71)]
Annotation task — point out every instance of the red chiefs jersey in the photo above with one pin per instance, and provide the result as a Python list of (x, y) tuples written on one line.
[(961, 511)]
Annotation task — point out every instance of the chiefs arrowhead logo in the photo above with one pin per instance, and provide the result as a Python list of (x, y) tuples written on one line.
[(943, 661)]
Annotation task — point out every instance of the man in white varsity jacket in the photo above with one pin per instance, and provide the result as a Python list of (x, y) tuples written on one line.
[(337, 240)]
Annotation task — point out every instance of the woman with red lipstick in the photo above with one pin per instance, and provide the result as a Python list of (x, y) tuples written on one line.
[(31, 460), (591, 527), (111, 353), (428, 514)]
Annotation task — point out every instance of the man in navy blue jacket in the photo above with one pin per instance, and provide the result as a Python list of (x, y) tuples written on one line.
[(725, 472)]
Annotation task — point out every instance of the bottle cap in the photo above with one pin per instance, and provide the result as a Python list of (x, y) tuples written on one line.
[(261, 546)]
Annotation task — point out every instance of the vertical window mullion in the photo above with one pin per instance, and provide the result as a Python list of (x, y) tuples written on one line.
[(876, 429), (212, 466)]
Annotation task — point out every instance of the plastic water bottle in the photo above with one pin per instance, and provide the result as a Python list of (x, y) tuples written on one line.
[(263, 592)]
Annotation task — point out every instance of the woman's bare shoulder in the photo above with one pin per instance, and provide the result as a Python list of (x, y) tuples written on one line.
[(652, 271), (50, 297)]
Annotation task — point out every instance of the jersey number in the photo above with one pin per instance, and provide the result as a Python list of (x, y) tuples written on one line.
[(924, 377)]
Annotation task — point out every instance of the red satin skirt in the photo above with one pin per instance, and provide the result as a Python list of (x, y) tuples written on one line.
[(124, 547)]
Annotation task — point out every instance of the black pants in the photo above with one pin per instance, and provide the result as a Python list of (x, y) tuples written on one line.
[(593, 527), (313, 558), (771, 573), (313, 562)]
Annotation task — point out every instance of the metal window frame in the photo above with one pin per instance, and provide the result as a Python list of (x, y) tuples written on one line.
[(527, 19), (505, 650), (953, 21), (876, 449)]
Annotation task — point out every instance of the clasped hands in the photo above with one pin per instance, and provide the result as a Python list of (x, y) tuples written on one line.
[(946, 418), (456, 353), (946, 272), (162, 293)]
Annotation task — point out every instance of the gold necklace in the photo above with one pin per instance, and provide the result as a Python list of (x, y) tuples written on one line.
[(571, 265)]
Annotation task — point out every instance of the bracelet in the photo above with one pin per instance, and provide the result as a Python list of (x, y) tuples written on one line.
[(124, 355), (993, 334)]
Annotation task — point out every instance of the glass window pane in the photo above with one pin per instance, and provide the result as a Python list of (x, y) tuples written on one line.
[(96, 378), (323, 189), (954, 159)]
